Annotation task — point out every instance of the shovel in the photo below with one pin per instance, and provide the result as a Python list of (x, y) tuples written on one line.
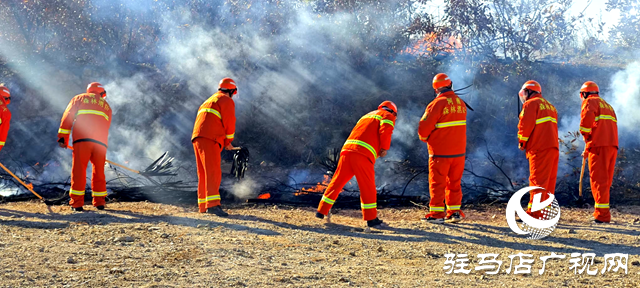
[(29, 187)]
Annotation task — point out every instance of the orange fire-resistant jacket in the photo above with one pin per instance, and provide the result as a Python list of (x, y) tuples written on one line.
[(598, 122), (5, 123), (538, 126), (444, 126), (371, 134), (89, 116), (216, 119)]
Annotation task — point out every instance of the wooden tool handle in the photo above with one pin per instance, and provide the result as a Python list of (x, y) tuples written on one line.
[(581, 177), (23, 184)]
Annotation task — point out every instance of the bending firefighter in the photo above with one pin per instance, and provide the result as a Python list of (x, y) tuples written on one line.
[(599, 127), (369, 139), (538, 136), (444, 128), (214, 129), (87, 119), (5, 114)]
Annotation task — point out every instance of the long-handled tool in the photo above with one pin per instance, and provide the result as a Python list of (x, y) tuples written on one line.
[(580, 198), (28, 186), (163, 166)]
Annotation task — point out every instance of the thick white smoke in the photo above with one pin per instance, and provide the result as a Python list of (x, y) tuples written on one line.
[(624, 95)]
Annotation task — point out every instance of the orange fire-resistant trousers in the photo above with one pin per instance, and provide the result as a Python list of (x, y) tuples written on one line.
[(445, 175), (83, 152), (602, 162), (350, 164), (209, 172), (543, 171)]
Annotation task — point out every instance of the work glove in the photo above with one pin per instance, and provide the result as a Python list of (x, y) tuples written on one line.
[(62, 142), (521, 146)]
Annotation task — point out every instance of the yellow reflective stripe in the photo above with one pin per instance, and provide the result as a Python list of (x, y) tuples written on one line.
[(213, 198), (546, 119), (327, 200), (363, 144), (93, 112), (436, 209), (200, 200), (209, 110), (606, 117), (369, 206), (377, 117), (586, 130), (77, 192), (529, 206), (602, 205), (451, 124), (231, 136), (520, 137), (98, 194), (64, 131), (457, 207), (1, 143), (387, 122)]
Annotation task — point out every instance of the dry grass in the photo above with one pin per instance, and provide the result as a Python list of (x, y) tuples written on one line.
[(282, 246)]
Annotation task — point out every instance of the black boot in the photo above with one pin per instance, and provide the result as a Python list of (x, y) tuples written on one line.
[(319, 215), (100, 207), (217, 210), (375, 223), (79, 209)]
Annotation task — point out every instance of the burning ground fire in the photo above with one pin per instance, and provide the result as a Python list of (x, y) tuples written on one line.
[(318, 188), (433, 42)]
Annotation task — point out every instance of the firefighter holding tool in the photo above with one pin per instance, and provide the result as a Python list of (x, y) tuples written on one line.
[(87, 120), (599, 127), (369, 139), (538, 137), (444, 128), (214, 130)]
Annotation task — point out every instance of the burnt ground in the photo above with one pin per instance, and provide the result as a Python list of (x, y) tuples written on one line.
[(157, 245)]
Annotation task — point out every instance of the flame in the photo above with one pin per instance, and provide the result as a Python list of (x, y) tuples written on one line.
[(319, 188), (264, 196), (434, 42), (30, 186)]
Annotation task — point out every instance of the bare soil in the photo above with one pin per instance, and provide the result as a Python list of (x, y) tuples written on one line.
[(156, 245)]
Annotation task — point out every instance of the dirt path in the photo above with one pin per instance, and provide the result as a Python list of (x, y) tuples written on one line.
[(154, 245)]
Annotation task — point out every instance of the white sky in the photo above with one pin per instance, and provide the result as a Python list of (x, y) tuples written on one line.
[(597, 9)]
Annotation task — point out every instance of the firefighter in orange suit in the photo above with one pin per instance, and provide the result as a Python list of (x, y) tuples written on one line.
[(87, 119), (444, 128), (214, 129), (369, 139), (538, 136), (599, 127), (5, 114)]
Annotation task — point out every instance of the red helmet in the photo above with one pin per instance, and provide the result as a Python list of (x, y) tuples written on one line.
[(441, 80), (96, 88), (389, 105), (228, 84), (4, 91), (5, 94), (532, 85), (590, 87)]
